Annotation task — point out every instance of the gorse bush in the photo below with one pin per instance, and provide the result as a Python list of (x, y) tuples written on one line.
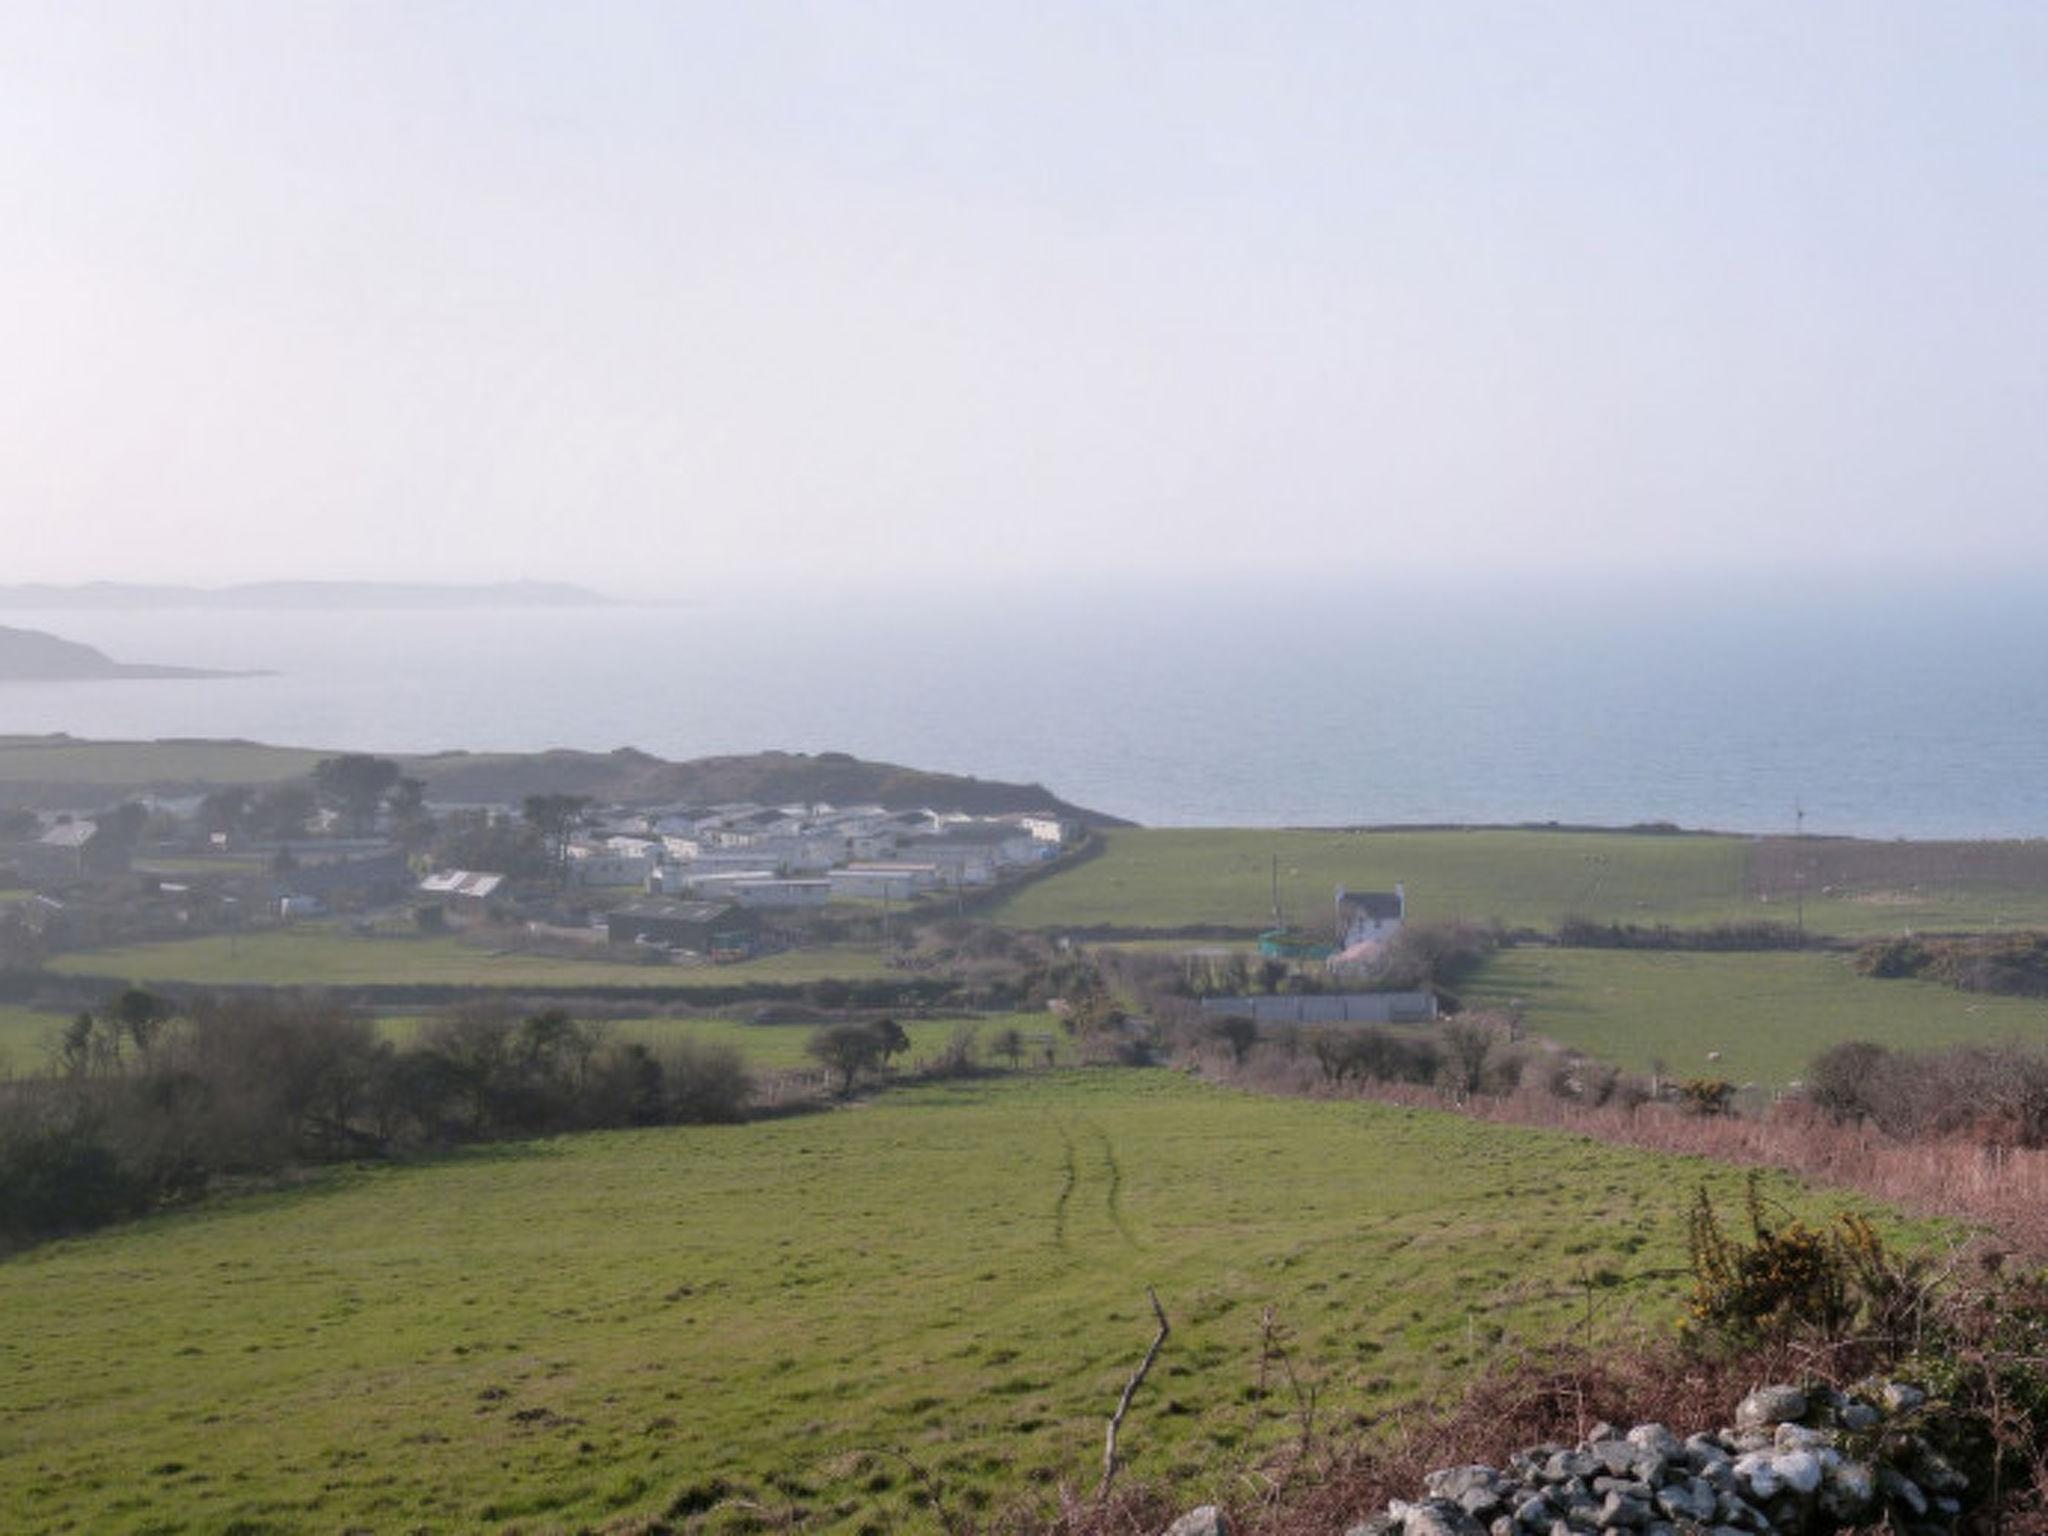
[(1787, 1276)]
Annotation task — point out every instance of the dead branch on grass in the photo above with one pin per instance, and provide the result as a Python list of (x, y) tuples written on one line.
[(1116, 1420)]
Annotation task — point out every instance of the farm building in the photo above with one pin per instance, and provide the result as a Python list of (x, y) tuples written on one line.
[(780, 893), (1329, 1008), (708, 927), (462, 884)]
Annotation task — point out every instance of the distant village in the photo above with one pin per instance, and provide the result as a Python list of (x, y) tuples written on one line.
[(710, 883)]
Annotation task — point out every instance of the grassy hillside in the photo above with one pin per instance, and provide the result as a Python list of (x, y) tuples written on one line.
[(322, 955), (549, 1336), (1769, 1015)]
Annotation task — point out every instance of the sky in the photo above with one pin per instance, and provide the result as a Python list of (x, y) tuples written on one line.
[(664, 297)]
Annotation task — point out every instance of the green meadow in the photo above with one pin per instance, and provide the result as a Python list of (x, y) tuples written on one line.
[(1768, 1015), (1183, 877), (59, 760), (552, 1336), (326, 955)]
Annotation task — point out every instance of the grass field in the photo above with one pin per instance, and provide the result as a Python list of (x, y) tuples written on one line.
[(1181, 877), (24, 1034), (1177, 877), (1768, 1014), (321, 955), (56, 760), (552, 1335)]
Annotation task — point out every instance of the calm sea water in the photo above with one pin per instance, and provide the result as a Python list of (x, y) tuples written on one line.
[(1880, 713)]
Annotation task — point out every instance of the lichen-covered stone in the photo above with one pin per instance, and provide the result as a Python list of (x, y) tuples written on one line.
[(1772, 1405), (1203, 1520)]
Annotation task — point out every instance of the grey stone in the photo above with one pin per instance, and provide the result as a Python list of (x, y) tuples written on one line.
[(1680, 1503), (1776, 1404), (1566, 1465), (1743, 1441), (1456, 1482), (1858, 1417), (1798, 1470), (1657, 1440), (1505, 1526), (1439, 1517), (1622, 1510), (1603, 1431), (1479, 1501), (1615, 1455), (1533, 1512), (1627, 1487), (1757, 1473), (1703, 1449), (1203, 1520)]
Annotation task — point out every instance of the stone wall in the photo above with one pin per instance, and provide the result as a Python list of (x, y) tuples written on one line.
[(1795, 1463)]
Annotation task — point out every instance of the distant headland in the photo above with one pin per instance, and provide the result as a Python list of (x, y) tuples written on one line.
[(106, 595), (32, 656)]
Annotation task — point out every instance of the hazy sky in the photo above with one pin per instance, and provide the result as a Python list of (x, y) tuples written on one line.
[(652, 295)]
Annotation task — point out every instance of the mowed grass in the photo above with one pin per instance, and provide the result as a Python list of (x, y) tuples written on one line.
[(322, 955), (550, 1336), (1182, 877), (1768, 1015)]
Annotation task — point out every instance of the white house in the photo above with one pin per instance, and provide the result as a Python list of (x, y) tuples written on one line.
[(1366, 922)]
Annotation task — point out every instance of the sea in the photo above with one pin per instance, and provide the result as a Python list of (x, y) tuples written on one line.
[(1756, 707)]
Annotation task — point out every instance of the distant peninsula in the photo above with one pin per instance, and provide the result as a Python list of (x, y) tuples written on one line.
[(104, 595), (67, 773), (32, 656)]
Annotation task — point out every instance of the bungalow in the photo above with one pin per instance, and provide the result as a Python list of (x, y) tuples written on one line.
[(1329, 1008)]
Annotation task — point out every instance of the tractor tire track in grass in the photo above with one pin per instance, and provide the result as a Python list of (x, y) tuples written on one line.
[(1114, 1196), (1072, 1176)]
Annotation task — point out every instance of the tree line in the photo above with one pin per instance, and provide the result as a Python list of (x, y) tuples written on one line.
[(147, 1104)]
